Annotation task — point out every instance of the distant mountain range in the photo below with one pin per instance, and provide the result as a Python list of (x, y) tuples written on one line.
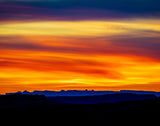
[(83, 93)]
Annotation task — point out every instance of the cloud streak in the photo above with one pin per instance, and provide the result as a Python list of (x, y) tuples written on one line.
[(68, 44), (93, 62)]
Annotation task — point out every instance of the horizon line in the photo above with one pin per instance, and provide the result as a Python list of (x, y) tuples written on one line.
[(78, 90)]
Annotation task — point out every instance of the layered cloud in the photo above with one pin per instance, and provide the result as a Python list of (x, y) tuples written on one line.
[(78, 63), (84, 44)]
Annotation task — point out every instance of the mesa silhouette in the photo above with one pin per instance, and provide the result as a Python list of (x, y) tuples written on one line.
[(82, 92)]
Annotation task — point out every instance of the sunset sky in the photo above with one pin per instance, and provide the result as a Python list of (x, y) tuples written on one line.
[(79, 44)]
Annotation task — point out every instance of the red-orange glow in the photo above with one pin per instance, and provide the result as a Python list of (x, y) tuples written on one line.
[(78, 61)]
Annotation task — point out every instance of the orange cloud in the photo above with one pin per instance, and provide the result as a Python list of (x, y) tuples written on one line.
[(80, 60), (53, 69)]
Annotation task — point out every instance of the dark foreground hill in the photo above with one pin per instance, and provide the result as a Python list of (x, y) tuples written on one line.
[(36, 107), (20, 101)]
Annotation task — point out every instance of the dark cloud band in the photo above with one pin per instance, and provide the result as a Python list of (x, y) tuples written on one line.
[(77, 10)]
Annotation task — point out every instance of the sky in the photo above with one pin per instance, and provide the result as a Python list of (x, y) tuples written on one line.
[(79, 44)]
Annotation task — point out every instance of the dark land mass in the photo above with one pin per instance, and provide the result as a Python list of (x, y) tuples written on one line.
[(82, 92), (108, 98), (124, 108)]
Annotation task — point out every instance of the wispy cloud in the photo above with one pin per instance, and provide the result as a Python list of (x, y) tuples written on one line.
[(69, 44)]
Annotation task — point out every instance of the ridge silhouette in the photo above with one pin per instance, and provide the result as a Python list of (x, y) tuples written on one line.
[(82, 92)]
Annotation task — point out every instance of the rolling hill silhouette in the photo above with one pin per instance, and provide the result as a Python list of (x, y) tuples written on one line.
[(108, 98)]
